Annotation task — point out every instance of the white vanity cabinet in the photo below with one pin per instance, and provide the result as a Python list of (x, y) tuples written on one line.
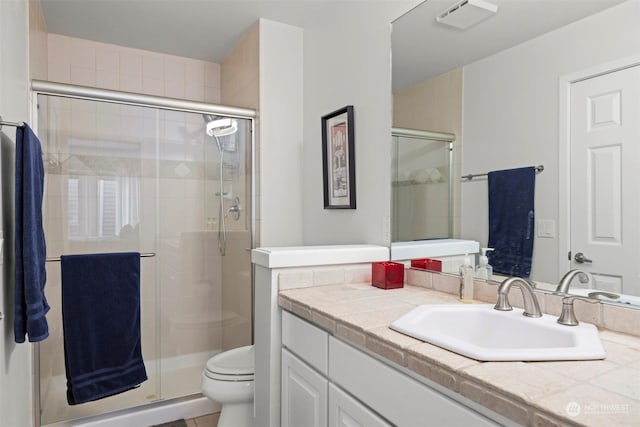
[(309, 399), (304, 394), (346, 411), (305, 366), (327, 382)]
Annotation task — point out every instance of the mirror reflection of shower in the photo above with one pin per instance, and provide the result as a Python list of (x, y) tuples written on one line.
[(223, 131)]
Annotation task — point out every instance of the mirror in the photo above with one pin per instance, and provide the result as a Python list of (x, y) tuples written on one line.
[(503, 86), (421, 171)]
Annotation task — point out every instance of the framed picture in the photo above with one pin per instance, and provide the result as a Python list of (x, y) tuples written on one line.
[(338, 159)]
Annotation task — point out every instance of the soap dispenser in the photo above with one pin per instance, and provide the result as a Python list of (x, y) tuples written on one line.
[(466, 280), (484, 270)]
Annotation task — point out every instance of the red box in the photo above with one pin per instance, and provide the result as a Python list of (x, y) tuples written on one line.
[(427, 264), (387, 275)]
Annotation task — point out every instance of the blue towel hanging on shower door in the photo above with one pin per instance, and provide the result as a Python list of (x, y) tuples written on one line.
[(30, 248), (511, 220), (101, 325)]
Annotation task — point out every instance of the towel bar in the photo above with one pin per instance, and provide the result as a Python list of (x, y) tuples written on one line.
[(14, 124), (469, 177), (142, 255)]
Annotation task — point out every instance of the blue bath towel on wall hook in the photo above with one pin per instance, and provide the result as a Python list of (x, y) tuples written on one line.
[(511, 220), (30, 248), (101, 325)]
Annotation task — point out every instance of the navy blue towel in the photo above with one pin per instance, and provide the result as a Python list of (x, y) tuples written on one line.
[(511, 220), (30, 248), (101, 321)]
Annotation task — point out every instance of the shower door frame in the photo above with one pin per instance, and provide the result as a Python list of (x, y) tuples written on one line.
[(42, 87), (428, 135)]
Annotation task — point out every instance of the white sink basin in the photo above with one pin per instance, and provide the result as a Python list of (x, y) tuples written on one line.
[(482, 333)]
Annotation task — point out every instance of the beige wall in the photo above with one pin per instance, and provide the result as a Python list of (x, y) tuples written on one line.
[(239, 72), (435, 105), (38, 42), (108, 66)]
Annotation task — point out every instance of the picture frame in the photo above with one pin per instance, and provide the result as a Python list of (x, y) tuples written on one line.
[(338, 159)]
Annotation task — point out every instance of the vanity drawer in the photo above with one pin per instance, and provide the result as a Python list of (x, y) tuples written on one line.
[(310, 343), (397, 397)]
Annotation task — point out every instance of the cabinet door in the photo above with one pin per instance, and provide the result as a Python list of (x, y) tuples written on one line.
[(345, 411), (304, 394)]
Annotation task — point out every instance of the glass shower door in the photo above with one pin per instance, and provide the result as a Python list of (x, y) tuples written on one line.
[(131, 178), (205, 296), (96, 171)]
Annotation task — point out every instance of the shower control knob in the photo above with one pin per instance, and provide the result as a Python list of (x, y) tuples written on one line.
[(235, 209)]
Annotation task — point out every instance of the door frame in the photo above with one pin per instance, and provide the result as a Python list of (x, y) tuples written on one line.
[(564, 144)]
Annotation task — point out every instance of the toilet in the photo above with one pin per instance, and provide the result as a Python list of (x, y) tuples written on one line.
[(228, 380)]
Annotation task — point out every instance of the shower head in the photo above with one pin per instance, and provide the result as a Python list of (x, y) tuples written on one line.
[(222, 127), (209, 118)]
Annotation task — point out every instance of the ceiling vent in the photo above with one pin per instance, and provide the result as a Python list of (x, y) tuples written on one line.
[(467, 13)]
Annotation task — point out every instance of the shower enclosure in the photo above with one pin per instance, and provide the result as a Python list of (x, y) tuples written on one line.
[(421, 191), (141, 174)]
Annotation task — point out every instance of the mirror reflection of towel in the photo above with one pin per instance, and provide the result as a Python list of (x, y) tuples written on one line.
[(101, 325), (511, 220)]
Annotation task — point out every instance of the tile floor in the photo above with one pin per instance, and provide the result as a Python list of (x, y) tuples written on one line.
[(210, 420)]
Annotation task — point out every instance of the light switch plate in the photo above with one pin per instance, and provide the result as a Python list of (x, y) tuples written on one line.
[(546, 228)]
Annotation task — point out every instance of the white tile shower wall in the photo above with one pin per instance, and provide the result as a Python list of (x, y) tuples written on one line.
[(88, 63)]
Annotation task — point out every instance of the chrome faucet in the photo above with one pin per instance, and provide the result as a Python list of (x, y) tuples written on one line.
[(563, 286), (531, 307)]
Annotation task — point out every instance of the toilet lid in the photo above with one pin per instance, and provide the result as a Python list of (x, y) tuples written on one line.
[(239, 361)]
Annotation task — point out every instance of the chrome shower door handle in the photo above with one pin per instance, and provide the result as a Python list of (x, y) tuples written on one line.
[(580, 258)]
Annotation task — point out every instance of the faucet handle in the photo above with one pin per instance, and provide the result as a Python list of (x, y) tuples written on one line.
[(598, 294), (568, 316)]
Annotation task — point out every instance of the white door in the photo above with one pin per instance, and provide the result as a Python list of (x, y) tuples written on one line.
[(304, 394), (605, 179)]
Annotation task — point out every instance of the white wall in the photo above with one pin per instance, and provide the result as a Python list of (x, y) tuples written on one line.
[(16, 403), (511, 115), (347, 61), (280, 136)]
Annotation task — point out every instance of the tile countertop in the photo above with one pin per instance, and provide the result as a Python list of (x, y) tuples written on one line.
[(595, 393)]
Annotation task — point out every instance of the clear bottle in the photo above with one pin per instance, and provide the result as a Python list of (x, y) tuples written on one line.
[(484, 270), (466, 280)]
